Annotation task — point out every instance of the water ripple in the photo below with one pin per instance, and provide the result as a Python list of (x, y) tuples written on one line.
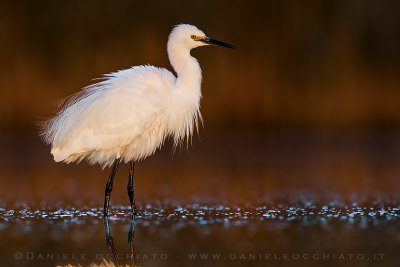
[(228, 216)]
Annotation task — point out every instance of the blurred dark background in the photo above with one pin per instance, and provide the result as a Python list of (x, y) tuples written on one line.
[(309, 99), (298, 63)]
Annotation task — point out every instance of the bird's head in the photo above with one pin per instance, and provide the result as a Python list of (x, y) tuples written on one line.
[(187, 37)]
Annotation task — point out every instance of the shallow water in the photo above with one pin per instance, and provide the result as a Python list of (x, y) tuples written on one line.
[(171, 234), (298, 200)]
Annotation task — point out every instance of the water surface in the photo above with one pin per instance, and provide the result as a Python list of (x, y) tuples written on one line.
[(243, 200)]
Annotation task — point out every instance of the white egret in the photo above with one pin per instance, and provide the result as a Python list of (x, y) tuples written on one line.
[(128, 115)]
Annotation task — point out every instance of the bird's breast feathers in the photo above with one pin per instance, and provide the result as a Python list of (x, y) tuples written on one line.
[(130, 113)]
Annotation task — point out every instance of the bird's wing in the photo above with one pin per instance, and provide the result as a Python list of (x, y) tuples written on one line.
[(112, 113)]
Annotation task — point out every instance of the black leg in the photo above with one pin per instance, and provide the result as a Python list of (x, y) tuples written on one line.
[(109, 239), (109, 187), (130, 188)]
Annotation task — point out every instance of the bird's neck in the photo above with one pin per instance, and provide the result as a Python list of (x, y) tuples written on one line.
[(186, 95), (187, 68)]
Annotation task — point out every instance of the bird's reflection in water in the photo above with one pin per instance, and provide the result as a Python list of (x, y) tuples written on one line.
[(110, 241)]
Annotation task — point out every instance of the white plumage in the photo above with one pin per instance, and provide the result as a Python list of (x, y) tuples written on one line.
[(130, 113)]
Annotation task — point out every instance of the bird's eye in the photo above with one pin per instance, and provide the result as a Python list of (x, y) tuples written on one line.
[(193, 37)]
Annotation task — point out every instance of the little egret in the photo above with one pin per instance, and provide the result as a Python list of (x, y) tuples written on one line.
[(128, 115)]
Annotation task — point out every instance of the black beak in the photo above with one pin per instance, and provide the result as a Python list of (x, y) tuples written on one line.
[(208, 40)]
